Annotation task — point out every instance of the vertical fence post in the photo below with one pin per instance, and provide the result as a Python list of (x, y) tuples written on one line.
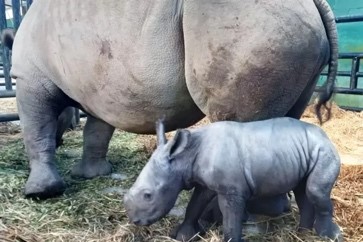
[(16, 13), (5, 51), (28, 3), (354, 71)]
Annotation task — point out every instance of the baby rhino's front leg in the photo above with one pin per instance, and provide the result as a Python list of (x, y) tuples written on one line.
[(190, 226), (232, 208)]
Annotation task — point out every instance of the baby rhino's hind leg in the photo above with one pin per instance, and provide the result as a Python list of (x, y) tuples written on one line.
[(318, 190), (306, 209)]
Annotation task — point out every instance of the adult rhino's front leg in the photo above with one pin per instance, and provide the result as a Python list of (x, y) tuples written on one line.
[(96, 138), (39, 103)]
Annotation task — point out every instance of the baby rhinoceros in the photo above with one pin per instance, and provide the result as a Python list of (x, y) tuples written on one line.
[(239, 162)]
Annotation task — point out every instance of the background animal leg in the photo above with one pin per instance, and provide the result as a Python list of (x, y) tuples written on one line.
[(65, 121), (212, 213), (269, 206), (96, 138), (190, 226)]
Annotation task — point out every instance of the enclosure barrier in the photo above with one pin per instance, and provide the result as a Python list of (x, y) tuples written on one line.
[(19, 8), (354, 74)]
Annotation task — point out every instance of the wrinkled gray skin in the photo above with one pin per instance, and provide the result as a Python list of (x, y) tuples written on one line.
[(239, 162), (66, 120), (126, 63)]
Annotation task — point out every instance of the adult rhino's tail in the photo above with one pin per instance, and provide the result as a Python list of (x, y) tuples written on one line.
[(7, 38), (326, 93)]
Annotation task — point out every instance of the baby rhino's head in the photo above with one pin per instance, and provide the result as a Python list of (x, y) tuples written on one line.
[(157, 187)]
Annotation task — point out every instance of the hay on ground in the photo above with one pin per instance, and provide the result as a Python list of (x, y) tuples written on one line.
[(86, 213), (345, 129)]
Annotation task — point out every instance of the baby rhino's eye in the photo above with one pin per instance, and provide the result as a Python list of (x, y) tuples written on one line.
[(147, 196)]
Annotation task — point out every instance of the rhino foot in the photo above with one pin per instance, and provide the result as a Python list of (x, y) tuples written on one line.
[(91, 169), (44, 182), (187, 232), (328, 229)]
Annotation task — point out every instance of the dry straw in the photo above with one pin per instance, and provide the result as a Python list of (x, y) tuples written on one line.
[(86, 214)]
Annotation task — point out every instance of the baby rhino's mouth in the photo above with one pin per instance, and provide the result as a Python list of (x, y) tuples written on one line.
[(144, 222), (144, 218)]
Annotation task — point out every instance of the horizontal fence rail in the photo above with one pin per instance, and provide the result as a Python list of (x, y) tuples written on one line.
[(354, 74), (349, 19), (20, 7)]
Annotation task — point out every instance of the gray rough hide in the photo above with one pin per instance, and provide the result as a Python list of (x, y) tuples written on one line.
[(239, 162), (127, 63), (66, 120)]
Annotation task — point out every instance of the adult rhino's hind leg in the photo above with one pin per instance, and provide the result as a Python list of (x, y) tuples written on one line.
[(302, 102), (39, 103), (96, 138)]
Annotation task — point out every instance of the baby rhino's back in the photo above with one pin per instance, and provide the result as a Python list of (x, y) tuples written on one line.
[(272, 156)]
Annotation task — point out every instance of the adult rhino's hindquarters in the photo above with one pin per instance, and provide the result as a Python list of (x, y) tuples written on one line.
[(127, 63), (250, 60)]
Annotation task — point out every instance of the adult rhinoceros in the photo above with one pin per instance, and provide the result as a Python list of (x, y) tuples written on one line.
[(126, 63)]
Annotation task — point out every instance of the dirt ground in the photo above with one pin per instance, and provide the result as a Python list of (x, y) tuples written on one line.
[(85, 214)]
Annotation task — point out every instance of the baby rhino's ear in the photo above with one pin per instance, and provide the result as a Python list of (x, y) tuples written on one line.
[(178, 143), (160, 132)]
